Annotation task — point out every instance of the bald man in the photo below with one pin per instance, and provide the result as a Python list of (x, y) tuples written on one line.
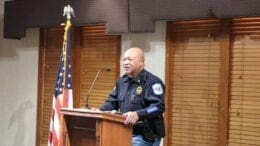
[(139, 96)]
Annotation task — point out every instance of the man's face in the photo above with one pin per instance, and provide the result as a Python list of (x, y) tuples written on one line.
[(133, 62)]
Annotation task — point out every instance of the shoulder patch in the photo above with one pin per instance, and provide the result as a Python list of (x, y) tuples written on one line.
[(157, 89)]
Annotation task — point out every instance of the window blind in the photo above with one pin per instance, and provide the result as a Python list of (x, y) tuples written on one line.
[(244, 122), (194, 77)]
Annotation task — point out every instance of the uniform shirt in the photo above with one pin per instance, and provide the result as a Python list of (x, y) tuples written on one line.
[(143, 94)]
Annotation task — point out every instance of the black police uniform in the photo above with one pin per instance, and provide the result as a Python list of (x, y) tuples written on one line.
[(145, 95)]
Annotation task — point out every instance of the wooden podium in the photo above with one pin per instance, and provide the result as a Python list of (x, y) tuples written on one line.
[(85, 127)]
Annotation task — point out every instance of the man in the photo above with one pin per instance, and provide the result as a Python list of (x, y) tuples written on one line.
[(139, 96)]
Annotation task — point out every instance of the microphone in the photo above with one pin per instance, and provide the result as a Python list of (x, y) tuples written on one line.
[(93, 83)]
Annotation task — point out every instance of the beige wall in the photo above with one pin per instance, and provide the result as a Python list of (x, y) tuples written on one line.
[(19, 76), (153, 45), (18, 88)]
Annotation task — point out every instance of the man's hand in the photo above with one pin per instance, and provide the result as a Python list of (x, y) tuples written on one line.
[(131, 118)]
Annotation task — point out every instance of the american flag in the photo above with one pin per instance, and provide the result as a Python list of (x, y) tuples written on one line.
[(62, 97)]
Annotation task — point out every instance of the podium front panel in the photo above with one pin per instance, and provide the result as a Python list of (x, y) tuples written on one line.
[(88, 128), (81, 130)]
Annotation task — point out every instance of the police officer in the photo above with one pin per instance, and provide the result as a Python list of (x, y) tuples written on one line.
[(139, 96)]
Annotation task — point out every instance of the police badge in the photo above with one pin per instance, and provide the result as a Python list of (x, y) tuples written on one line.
[(139, 90)]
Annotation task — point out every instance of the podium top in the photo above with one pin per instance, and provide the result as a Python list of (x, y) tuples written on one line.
[(82, 112)]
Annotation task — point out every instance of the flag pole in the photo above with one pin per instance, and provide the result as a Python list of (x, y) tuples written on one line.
[(68, 11), (64, 48), (63, 97)]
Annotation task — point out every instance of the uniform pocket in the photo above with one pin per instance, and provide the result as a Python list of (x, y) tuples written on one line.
[(135, 99)]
